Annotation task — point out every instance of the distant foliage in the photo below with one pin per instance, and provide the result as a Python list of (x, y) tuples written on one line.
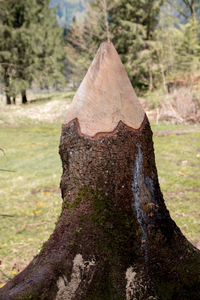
[(67, 10), (184, 9)]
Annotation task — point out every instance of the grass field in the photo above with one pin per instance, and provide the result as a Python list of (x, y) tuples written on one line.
[(30, 171)]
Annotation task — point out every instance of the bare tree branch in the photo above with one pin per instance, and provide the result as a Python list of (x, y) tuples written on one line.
[(105, 9), (189, 5)]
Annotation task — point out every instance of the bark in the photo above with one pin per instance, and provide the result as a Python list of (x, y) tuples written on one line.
[(114, 238), (24, 97)]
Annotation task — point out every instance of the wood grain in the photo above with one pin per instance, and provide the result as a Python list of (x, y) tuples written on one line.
[(105, 96)]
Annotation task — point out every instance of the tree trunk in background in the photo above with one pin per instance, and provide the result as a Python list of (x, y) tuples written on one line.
[(24, 98), (8, 99), (14, 99), (163, 78), (114, 239), (7, 86), (150, 78)]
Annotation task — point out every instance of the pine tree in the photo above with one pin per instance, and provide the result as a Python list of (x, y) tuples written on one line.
[(34, 45), (49, 52), (18, 21), (7, 51), (133, 27), (6, 59)]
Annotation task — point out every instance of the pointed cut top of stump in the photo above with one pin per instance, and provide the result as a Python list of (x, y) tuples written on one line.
[(105, 96)]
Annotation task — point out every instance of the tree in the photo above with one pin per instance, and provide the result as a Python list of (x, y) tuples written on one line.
[(17, 21), (177, 47), (35, 44), (78, 53), (134, 24), (168, 39), (114, 238), (188, 52), (7, 58)]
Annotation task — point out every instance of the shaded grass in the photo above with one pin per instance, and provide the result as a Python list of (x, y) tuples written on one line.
[(30, 200)]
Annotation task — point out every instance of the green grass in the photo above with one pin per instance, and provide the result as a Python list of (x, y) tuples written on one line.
[(30, 200), (178, 162), (29, 194)]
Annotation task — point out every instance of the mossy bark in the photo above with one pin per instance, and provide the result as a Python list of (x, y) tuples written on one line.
[(114, 238)]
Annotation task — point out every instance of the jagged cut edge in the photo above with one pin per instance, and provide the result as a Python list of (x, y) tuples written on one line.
[(105, 134)]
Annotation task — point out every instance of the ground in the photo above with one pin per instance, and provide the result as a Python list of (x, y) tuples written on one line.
[(30, 171)]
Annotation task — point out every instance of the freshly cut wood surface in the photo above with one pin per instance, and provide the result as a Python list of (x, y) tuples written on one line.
[(105, 96)]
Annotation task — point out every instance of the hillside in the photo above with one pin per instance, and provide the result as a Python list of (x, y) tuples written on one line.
[(67, 10)]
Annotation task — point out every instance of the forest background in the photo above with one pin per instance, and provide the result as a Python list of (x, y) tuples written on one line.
[(50, 44), (46, 48)]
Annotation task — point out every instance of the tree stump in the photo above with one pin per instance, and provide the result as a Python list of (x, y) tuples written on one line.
[(114, 239)]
